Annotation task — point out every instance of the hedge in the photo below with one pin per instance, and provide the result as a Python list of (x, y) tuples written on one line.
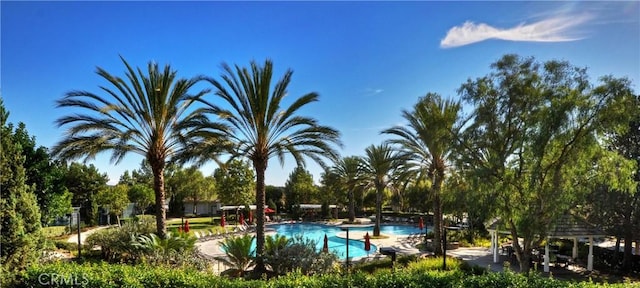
[(120, 275)]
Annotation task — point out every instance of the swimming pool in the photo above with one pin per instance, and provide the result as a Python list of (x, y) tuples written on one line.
[(316, 232), (337, 245), (393, 229)]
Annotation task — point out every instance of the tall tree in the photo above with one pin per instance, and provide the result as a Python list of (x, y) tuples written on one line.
[(21, 231), (618, 211), (379, 167), (194, 186), (300, 188), (148, 114), (428, 139), (142, 195), (331, 191), (115, 199), (85, 182), (274, 197), (235, 183), (534, 139), (350, 173), (262, 129), (45, 175)]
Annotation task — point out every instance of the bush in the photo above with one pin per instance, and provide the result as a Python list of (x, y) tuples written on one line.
[(115, 242), (118, 275), (177, 250), (239, 255), (135, 242), (299, 254), (65, 245)]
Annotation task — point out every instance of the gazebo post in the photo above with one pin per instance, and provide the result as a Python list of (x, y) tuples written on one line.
[(546, 256), (590, 258), (494, 243), (575, 248), (491, 246)]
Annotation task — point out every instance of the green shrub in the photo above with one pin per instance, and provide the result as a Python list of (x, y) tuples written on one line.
[(299, 254), (65, 245), (139, 276), (239, 255), (176, 250), (115, 242)]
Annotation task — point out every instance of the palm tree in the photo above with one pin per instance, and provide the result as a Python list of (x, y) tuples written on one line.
[(144, 114), (348, 169), (379, 170), (239, 255), (428, 139), (262, 129)]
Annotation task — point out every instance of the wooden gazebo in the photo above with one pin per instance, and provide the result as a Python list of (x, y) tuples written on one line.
[(568, 226)]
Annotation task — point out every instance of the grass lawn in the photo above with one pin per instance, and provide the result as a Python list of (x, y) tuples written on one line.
[(53, 231), (198, 220), (198, 224)]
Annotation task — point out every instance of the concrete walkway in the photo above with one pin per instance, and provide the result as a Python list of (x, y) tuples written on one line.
[(479, 256), (83, 235)]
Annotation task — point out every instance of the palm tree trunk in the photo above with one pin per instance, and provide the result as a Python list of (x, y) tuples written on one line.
[(352, 208), (158, 187), (261, 167), (437, 225), (376, 228)]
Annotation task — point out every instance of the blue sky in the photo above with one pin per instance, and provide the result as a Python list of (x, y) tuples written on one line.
[(367, 60)]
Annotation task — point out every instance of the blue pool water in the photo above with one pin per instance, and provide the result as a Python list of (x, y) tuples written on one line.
[(393, 229), (337, 245)]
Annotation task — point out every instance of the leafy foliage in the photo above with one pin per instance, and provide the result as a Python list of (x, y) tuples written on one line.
[(115, 242), (380, 167), (297, 254), (350, 178), (300, 188), (101, 275), (261, 128), (148, 115), (142, 195), (115, 199), (427, 140), (235, 183), (191, 184), (239, 254), (21, 232), (535, 139), (85, 182), (45, 176)]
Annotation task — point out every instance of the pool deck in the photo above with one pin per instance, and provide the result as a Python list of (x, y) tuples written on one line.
[(403, 244)]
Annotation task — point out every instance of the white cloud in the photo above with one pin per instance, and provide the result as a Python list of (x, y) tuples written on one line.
[(554, 29), (371, 92)]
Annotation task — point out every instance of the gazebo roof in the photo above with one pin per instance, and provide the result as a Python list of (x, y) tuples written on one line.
[(567, 225)]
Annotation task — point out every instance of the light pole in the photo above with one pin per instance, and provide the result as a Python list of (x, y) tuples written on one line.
[(347, 230), (76, 211), (444, 246)]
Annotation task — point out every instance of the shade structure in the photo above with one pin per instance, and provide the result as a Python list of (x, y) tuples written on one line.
[(222, 221), (367, 242), (250, 216), (241, 219), (421, 223), (269, 210), (186, 226), (325, 247)]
